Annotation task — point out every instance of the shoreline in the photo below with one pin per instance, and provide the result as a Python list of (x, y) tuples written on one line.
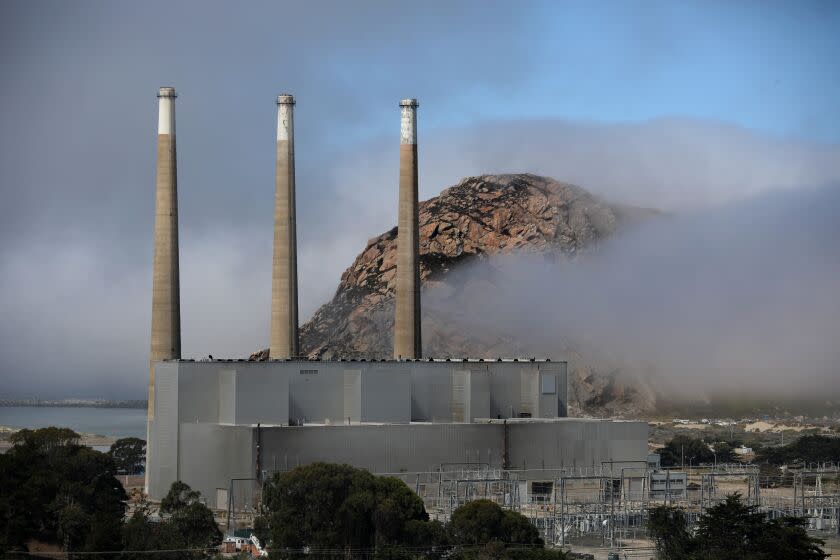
[(138, 405)]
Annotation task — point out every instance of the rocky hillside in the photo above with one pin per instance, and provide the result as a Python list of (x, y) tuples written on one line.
[(478, 218)]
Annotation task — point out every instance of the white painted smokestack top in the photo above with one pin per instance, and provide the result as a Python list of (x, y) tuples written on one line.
[(284, 303), (166, 300), (407, 321)]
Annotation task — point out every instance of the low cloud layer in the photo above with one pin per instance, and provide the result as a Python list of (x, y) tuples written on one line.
[(736, 299), (75, 299)]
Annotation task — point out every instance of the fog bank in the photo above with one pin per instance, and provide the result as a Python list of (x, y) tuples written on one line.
[(740, 298)]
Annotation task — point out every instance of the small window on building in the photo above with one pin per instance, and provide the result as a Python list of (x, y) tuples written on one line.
[(309, 372), (541, 487), (549, 384)]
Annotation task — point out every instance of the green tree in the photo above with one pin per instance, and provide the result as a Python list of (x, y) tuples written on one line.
[(431, 534), (476, 522), (196, 525), (129, 455), (141, 533), (685, 450), (724, 453), (187, 524), (56, 491), (481, 521), (732, 530), (179, 496), (192, 520), (261, 529), (516, 529), (668, 530), (807, 449), (338, 507), (45, 439)]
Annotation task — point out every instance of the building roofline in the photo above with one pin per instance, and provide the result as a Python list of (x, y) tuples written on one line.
[(371, 360)]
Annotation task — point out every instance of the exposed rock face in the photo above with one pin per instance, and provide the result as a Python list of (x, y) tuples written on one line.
[(478, 218)]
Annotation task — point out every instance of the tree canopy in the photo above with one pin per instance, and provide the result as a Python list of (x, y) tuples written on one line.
[(338, 509), (129, 455), (731, 530), (325, 506), (807, 449), (482, 530), (482, 521), (724, 452), (56, 491), (186, 523), (685, 450)]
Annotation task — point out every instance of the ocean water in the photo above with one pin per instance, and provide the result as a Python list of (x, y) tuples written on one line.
[(114, 422)]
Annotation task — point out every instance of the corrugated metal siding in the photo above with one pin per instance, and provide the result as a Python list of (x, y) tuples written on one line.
[(529, 392), (424, 447), (164, 471), (274, 392), (212, 455), (227, 396), (386, 395), (480, 394), (262, 395), (387, 448), (198, 395), (576, 443), (352, 394), (461, 396)]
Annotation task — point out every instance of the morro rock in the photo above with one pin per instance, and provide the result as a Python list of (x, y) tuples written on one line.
[(478, 218)]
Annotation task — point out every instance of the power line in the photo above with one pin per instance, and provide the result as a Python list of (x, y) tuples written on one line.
[(309, 551)]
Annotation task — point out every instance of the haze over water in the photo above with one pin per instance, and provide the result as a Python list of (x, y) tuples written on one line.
[(114, 422)]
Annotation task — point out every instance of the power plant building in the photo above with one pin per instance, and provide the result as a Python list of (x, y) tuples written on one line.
[(215, 421)]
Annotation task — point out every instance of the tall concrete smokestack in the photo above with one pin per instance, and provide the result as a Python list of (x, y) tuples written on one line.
[(407, 322), (284, 304), (166, 299), (166, 302)]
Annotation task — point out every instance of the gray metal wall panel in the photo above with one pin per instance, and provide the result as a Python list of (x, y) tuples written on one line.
[(262, 395), (315, 397), (274, 392), (384, 448), (353, 395), (548, 401), (227, 396), (529, 392), (461, 395), (504, 389), (431, 391), (561, 369), (576, 443), (211, 455), (386, 395), (163, 468), (480, 394), (424, 447), (198, 390)]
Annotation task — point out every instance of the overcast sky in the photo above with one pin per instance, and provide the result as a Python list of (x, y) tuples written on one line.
[(675, 105)]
